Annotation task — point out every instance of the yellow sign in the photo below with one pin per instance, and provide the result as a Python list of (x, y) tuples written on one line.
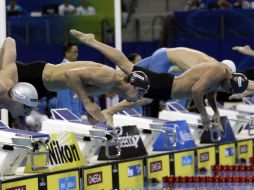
[(98, 178), (64, 153), (245, 149), (63, 181), (26, 184), (227, 154), (131, 174), (184, 163), (206, 157), (158, 167)]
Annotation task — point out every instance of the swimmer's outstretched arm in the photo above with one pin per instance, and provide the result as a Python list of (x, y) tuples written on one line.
[(123, 105), (244, 50), (250, 86), (80, 78), (248, 92), (199, 89), (113, 54), (8, 68), (241, 95)]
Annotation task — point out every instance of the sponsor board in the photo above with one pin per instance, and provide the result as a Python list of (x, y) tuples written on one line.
[(158, 167), (184, 163), (64, 153), (227, 154), (244, 149), (98, 178), (131, 174), (25, 184), (63, 181), (206, 157)]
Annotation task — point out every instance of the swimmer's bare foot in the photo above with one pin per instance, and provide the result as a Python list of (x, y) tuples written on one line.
[(82, 37)]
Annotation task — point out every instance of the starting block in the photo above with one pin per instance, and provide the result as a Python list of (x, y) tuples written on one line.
[(196, 128), (242, 122), (149, 128), (16, 145), (90, 139)]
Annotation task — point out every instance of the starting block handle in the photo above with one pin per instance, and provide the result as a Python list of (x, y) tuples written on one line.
[(32, 157), (33, 154), (17, 145), (161, 128), (113, 156), (249, 121), (213, 131)]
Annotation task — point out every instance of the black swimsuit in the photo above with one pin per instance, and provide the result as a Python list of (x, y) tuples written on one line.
[(32, 73), (160, 84)]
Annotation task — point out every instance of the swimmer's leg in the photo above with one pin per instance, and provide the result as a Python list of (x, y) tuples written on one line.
[(160, 61), (144, 63), (8, 53), (113, 54)]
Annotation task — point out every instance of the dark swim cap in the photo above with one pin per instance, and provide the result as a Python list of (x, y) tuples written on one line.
[(239, 82), (139, 79)]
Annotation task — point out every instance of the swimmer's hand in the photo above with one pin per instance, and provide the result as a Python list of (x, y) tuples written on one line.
[(235, 97), (109, 118), (95, 111), (205, 119)]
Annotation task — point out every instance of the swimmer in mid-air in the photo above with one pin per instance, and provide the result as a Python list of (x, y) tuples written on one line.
[(202, 75), (85, 78)]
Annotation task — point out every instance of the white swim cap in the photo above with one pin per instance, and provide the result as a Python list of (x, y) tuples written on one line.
[(230, 64), (25, 93)]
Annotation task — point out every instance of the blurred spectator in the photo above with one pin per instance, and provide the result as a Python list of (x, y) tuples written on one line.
[(211, 4), (193, 5), (86, 9), (65, 98), (241, 4), (13, 9), (224, 4), (66, 9)]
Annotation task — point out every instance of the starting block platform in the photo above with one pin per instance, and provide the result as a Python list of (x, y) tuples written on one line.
[(89, 138), (17, 144), (150, 129)]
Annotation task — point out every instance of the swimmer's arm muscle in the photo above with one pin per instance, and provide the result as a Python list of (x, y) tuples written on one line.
[(201, 86)]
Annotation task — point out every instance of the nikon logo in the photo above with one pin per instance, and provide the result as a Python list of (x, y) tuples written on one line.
[(62, 154)]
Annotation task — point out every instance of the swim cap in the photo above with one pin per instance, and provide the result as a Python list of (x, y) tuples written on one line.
[(230, 64), (239, 82), (25, 93), (139, 79)]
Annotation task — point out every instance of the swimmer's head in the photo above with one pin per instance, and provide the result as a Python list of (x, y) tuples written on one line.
[(239, 83), (25, 93), (139, 79)]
